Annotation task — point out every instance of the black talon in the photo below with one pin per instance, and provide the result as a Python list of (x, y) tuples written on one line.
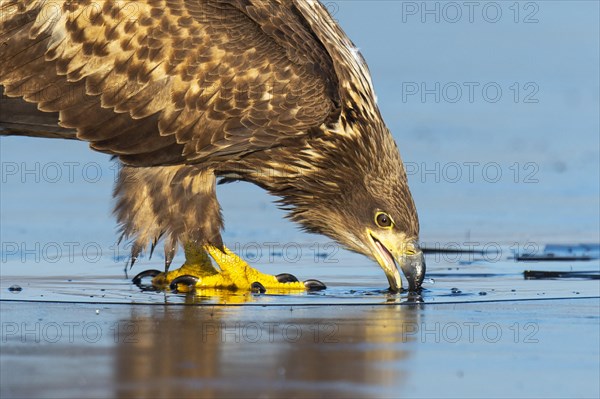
[(286, 278), (186, 279), (314, 285), (137, 280), (414, 297), (258, 288)]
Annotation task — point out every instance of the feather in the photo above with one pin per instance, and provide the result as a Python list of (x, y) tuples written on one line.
[(268, 91)]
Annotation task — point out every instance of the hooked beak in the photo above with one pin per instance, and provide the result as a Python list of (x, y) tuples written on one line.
[(407, 256)]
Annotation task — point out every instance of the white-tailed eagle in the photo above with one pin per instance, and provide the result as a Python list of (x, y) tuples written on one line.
[(186, 92)]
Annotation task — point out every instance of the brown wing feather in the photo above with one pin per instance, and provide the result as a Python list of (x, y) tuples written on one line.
[(170, 81)]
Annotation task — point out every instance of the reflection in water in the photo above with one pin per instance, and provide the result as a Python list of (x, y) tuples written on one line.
[(175, 351)]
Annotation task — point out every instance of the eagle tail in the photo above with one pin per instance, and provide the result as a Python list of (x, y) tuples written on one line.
[(20, 118)]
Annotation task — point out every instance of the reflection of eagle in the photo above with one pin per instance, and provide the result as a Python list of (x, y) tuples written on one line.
[(183, 91)]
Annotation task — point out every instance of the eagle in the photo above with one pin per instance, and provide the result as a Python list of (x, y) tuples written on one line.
[(190, 93)]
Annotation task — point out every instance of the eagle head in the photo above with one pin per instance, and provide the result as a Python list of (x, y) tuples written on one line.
[(356, 192)]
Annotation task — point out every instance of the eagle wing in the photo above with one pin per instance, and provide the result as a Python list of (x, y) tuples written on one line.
[(161, 82)]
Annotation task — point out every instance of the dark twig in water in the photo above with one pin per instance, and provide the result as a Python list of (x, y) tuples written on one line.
[(543, 275)]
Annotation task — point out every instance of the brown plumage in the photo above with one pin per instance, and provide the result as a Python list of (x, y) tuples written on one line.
[(183, 92)]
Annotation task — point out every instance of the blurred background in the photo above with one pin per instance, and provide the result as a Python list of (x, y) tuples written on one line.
[(495, 109)]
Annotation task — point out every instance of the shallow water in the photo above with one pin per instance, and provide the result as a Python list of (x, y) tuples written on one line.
[(477, 327), (451, 278), (543, 348), (504, 178)]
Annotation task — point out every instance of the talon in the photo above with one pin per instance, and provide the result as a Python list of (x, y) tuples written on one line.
[(137, 280), (186, 280), (414, 297), (258, 288), (286, 278), (314, 285)]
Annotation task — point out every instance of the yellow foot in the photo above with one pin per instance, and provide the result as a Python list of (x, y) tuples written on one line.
[(199, 273)]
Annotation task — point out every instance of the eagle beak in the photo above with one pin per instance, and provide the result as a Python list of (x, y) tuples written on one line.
[(413, 267), (408, 257)]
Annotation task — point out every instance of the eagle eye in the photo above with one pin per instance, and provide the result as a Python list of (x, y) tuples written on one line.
[(383, 220)]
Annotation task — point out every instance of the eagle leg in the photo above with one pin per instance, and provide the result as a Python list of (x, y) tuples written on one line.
[(244, 277), (198, 272), (197, 264)]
